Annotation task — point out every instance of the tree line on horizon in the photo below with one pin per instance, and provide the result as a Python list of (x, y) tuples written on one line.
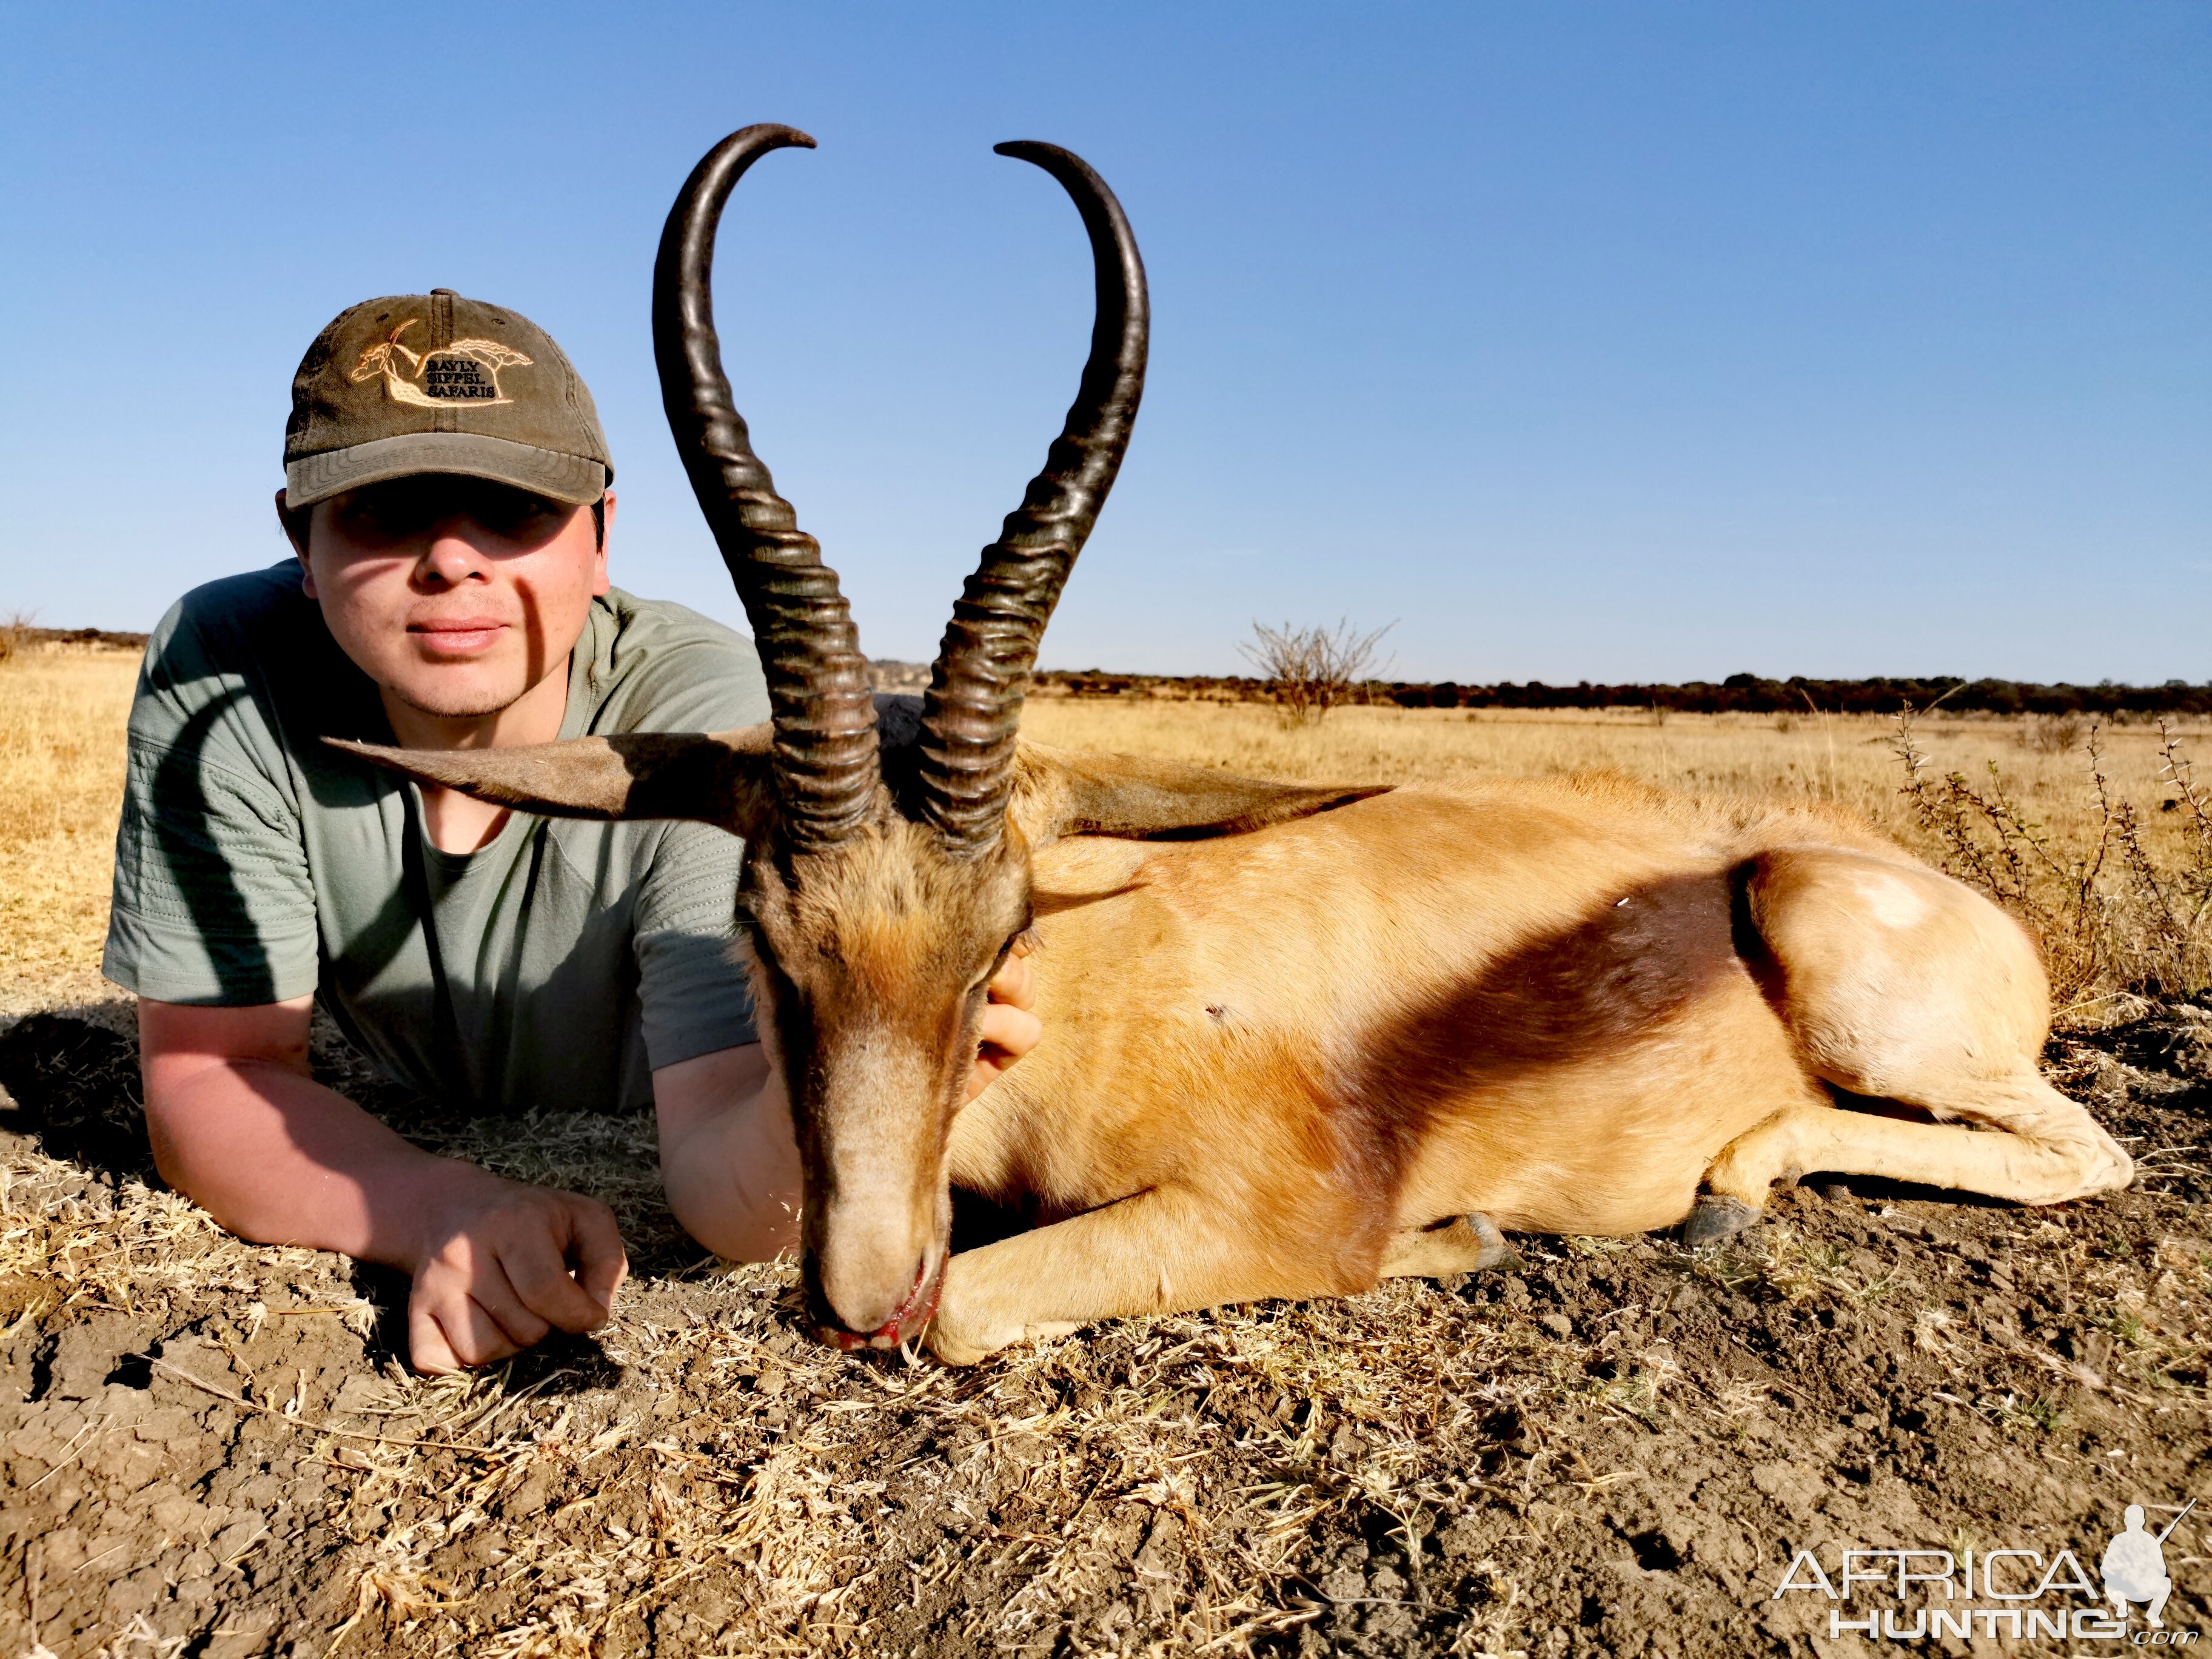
[(1745, 694), (1748, 694)]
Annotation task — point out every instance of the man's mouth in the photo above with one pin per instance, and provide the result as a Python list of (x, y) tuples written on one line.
[(457, 636)]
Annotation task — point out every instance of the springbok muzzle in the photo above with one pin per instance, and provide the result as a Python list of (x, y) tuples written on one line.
[(903, 1323)]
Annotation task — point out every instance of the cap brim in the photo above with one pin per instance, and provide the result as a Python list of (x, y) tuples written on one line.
[(570, 478)]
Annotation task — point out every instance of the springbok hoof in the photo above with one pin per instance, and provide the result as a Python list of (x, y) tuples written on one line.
[(1714, 1219), (1495, 1252)]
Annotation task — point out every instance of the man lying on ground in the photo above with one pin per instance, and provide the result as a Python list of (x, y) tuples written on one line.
[(445, 495)]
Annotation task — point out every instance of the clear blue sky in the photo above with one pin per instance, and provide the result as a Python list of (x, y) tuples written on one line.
[(1608, 341)]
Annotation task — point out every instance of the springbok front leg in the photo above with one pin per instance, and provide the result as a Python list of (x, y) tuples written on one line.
[(1168, 1250), (1901, 984)]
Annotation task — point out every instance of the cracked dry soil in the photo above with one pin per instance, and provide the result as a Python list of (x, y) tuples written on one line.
[(208, 1448)]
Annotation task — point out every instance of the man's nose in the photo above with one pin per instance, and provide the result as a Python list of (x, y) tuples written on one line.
[(451, 558)]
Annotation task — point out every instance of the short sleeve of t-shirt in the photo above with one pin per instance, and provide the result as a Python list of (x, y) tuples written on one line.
[(213, 900), (676, 675), (691, 983)]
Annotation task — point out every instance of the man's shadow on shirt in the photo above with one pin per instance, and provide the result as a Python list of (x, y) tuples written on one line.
[(194, 866)]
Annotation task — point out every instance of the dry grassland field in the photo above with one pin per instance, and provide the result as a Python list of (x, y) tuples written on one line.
[(1615, 1447)]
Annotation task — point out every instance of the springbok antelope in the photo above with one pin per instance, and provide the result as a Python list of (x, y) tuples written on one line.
[(1297, 1039)]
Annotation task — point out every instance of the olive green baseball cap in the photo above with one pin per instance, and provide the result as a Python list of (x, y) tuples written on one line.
[(435, 383)]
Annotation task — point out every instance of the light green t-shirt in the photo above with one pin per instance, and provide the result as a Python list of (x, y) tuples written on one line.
[(555, 967)]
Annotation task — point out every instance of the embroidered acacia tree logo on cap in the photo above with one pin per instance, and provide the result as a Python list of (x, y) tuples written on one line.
[(465, 372)]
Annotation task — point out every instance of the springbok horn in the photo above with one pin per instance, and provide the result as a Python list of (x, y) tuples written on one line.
[(974, 705), (824, 758)]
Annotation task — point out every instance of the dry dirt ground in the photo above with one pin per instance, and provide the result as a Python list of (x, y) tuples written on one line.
[(1616, 1446)]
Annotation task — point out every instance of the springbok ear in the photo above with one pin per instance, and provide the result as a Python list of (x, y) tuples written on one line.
[(1061, 791), (720, 778)]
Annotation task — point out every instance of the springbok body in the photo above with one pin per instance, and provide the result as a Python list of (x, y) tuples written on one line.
[(1297, 1039), (1292, 1062)]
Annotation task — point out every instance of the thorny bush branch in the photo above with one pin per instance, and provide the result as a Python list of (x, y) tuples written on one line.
[(2108, 921)]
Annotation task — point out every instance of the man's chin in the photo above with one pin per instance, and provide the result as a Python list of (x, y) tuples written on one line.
[(457, 700)]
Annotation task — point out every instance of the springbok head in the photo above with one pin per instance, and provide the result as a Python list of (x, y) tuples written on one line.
[(888, 845)]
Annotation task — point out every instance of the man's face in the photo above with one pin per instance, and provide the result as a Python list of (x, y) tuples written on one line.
[(457, 595)]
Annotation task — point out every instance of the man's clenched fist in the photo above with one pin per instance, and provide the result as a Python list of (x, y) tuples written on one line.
[(502, 1264)]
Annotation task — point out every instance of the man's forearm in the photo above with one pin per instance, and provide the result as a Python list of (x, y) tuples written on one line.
[(728, 1161), (733, 1184), (278, 1158)]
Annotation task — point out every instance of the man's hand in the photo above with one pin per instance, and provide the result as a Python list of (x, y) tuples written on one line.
[(238, 1125), (503, 1264), (1010, 1029)]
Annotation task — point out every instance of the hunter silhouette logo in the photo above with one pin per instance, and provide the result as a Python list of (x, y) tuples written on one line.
[(465, 372), (2134, 1566)]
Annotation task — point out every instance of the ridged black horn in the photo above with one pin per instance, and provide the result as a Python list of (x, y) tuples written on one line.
[(974, 705), (825, 754)]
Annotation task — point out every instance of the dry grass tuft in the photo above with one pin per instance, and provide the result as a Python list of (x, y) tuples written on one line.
[(68, 1249), (1310, 670), (2050, 734)]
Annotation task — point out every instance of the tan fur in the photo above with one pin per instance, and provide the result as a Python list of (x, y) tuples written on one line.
[(1211, 1009)]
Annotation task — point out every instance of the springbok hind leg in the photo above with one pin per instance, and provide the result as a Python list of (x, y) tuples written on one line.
[(2051, 1151), (1456, 1244), (1899, 983)]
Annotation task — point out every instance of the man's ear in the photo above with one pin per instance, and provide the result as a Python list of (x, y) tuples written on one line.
[(1062, 791), (720, 778), (603, 514), (295, 531)]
